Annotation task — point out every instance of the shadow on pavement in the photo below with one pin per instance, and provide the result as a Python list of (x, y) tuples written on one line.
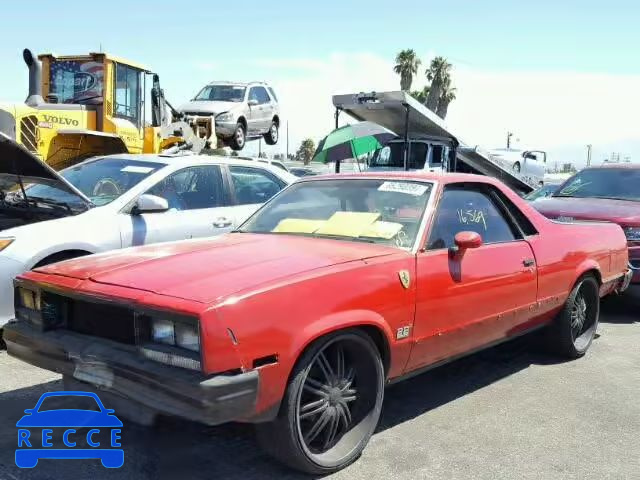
[(180, 449), (623, 308)]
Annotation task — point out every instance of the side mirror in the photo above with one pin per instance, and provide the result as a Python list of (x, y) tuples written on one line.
[(149, 204), (253, 102), (464, 241)]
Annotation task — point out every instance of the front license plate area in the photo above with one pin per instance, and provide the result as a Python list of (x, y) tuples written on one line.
[(94, 373)]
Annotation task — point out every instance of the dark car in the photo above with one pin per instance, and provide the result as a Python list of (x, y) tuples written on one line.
[(607, 193), (302, 172)]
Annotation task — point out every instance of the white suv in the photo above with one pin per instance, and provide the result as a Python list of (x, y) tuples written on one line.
[(241, 111)]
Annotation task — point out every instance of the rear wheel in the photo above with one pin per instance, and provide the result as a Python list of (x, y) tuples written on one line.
[(331, 407), (575, 326), (271, 137)]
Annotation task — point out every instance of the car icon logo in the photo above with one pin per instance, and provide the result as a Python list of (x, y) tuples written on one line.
[(91, 432)]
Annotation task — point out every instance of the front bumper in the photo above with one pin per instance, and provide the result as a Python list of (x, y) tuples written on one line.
[(137, 388), (226, 129), (625, 281), (9, 269)]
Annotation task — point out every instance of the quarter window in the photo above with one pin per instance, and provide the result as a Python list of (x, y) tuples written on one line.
[(253, 185), (463, 209), (192, 188)]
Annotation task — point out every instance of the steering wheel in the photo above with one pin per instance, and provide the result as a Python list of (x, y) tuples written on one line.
[(107, 187)]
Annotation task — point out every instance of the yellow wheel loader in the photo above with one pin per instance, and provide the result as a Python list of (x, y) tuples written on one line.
[(95, 104)]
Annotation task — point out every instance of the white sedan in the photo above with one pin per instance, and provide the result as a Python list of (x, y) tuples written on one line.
[(118, 201)]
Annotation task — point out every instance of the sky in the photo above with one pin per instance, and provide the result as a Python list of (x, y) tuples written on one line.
[(560, 75)]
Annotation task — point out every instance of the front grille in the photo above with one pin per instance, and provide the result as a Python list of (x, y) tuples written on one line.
[(199, 114), (104, 320)]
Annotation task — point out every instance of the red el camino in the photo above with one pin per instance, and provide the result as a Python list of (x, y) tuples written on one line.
[(336, 287)]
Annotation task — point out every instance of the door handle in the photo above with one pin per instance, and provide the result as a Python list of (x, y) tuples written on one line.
[(528, 262), (222, 222)]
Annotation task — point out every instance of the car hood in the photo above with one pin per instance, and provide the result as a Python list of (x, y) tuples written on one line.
[(207, 106), (18, 164), (209, 271), (622, 212)]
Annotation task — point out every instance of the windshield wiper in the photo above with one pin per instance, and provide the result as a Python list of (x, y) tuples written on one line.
[(52, 203)]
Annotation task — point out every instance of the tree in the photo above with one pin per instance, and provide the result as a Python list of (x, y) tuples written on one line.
[(439, 74), (406, 66), (421, 95), (305, 151), (234, 153), (278, 156), (262, 155), (448, 95)]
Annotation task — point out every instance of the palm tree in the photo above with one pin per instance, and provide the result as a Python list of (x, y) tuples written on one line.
[(438, 73), (421, 95), (407, 64), (447, 96)]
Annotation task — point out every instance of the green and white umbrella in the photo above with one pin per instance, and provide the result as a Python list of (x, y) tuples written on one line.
[(351, 141)]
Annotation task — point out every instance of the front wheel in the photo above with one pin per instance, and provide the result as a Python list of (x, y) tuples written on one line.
[(575, 326), (239, 137), (331, 407), (516, 167)]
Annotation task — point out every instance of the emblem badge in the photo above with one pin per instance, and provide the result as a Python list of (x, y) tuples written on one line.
[(405, 278)]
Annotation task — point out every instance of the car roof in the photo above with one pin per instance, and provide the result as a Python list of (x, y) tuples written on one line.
[(190, 158), (631, 166), (239, 84), (421, 176)]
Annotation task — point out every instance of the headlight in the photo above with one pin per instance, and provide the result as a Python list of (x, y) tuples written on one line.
[(224, 117), (5, 242), (179, 334), (632, 233), (162, 331), (187, 336), (29, 299)]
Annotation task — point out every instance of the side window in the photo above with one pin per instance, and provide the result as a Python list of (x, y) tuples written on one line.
[(466, 209), (192, 188), (253, 94), (261, 95), (127, 93), (253, 185)]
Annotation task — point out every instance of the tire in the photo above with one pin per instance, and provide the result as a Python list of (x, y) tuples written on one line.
[(239, 138), (271, 137), (516, 167), (323, 425), (573, 330)]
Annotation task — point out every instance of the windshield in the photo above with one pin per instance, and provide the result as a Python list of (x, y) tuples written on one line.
[(391, 157), (615, 183), (378, 211), (541, 192), (74, 81), (102, 180), (222, 93)]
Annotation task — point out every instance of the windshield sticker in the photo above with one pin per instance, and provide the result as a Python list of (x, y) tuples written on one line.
[(403, 187), (467, 217), (136, 169)]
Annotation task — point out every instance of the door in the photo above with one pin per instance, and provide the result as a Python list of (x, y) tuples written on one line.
[(266, 109), (198, 207), (250, 188), (128, 106), (254, 116), (478, 296)]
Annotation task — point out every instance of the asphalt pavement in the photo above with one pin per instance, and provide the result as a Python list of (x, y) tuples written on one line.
[(510, 412)]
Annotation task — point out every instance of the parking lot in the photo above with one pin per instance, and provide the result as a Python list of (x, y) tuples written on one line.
[(509, 412)]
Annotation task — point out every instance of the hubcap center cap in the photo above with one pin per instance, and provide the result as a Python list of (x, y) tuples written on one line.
[(335, 396)]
